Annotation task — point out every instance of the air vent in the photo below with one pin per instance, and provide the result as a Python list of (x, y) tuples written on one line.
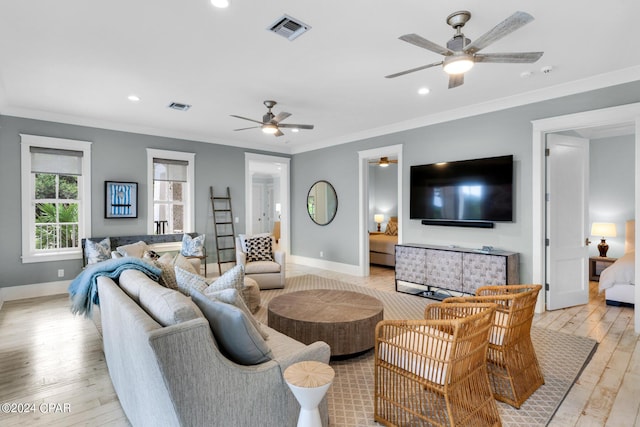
[(179, 106), (288, 27)]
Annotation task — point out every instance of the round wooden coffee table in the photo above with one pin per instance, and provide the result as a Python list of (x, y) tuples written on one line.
[(345, 320)]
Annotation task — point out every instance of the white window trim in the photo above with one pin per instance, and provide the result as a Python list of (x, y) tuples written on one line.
[(189, 208), (84, 192)]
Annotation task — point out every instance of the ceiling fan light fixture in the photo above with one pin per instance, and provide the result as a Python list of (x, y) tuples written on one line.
[(222, 4), (458, 64), (269, 128)]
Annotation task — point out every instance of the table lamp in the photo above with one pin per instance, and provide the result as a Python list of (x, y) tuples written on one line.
[(603, 229), (378, 218)]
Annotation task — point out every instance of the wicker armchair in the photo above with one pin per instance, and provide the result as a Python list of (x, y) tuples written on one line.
[(513, 366), (433, 372)]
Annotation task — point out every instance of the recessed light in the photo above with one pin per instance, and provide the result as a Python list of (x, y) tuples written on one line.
[(526, 74), (295, 130), (133, 98), (423, 90), (222, 4)]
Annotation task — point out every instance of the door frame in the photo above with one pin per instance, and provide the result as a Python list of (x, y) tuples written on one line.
[(629, 113), (363, 198), (250, 161)]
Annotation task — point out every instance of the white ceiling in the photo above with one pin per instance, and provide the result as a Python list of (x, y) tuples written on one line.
[(76, 61)]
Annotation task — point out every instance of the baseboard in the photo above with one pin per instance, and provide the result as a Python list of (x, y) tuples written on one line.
[(12, 293), (353, 270)]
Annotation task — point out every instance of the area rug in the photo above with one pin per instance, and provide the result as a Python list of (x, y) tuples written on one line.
[(562, 358)]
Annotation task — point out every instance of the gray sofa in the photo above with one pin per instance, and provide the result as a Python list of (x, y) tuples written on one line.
[(167, 369)]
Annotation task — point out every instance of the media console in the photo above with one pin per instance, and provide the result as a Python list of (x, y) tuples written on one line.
[(441, 271)]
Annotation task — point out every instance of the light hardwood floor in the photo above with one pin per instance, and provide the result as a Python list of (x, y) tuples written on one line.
[(53, 362)]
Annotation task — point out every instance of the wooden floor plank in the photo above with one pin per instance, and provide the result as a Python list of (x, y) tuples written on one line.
[(50, 356)]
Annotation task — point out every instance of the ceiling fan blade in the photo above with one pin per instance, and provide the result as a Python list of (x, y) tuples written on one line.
[(252, 127), (456, 80), (281, 116), (279, 133), (509, 25), (419, 41), (292, 126), (514, 57), (402, 73), (245, 118)]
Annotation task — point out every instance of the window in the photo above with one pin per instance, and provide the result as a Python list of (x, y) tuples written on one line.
[(171, 177), (56, 198)]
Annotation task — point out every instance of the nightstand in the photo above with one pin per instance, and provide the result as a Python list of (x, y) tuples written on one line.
[(597, 264)]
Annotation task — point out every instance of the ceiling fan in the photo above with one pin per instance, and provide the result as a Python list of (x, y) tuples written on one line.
[(383, 162), (271, 123), (461, 54)]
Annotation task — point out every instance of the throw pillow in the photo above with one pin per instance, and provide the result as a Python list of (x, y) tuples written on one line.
[(259, 249), (135, 250), (238, 338), (168, 276), (232, 278), (183, 263), (243, 239), (188, 281), (97, 251), (233, 297), (153, 255), (192, 246), (392, 228)]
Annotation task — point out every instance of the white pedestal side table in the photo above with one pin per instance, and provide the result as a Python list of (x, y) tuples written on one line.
[(309, 381)]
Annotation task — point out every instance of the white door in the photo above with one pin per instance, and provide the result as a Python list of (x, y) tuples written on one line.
[(567, 221), (257, 206)]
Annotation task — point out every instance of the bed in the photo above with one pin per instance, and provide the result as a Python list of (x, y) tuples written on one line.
[(382, 246), (618, 280)]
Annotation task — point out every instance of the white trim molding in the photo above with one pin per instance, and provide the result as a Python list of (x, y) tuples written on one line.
[(336, 267), (623, 114), (13, 293), (84, 192), (363, 199), (190, 222)]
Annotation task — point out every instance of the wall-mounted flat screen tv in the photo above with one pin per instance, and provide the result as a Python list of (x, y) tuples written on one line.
[(467, 190)]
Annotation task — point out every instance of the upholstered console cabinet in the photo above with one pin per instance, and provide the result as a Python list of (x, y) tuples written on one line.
[(435, 271)]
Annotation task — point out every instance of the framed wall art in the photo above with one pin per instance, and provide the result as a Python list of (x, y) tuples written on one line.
[(121, 199)]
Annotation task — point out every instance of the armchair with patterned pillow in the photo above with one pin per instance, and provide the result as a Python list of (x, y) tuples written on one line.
[(261, 263)]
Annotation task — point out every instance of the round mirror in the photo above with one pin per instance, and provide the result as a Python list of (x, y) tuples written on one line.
[(322, 203)]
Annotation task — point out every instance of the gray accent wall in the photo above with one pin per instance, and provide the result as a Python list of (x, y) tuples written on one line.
[(503, 132), (118, 156), (612, 188)]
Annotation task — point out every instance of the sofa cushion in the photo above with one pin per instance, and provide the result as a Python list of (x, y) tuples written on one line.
[(237, 337), (185, 264), (135, 250), (188, 281), (233, 297), (192, 246), (165, 306), (97, 251), (259, 249), (258, 267)]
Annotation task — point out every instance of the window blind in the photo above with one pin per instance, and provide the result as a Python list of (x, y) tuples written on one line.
[(170, 170), (56, 161)]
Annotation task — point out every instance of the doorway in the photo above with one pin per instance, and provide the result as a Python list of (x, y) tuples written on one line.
[(267, 197), (615, 116), (395, 152)]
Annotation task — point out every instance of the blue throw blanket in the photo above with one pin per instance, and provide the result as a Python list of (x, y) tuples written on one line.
[(83, 290)]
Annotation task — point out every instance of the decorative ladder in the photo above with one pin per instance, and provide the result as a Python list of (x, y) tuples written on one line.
[(223, 228)]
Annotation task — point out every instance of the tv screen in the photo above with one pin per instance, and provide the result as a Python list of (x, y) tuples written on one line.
[(468, 190)]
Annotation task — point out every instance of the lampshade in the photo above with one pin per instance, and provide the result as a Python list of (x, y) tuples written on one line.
[(603, 229), (458, 64), (378, 218)]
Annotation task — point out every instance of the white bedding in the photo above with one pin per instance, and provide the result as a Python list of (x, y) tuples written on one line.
[(620, 272)]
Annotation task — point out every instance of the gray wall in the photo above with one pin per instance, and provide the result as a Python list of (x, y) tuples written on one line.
[(498, 133), (383, 193), (115, 156), (611, 188)]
